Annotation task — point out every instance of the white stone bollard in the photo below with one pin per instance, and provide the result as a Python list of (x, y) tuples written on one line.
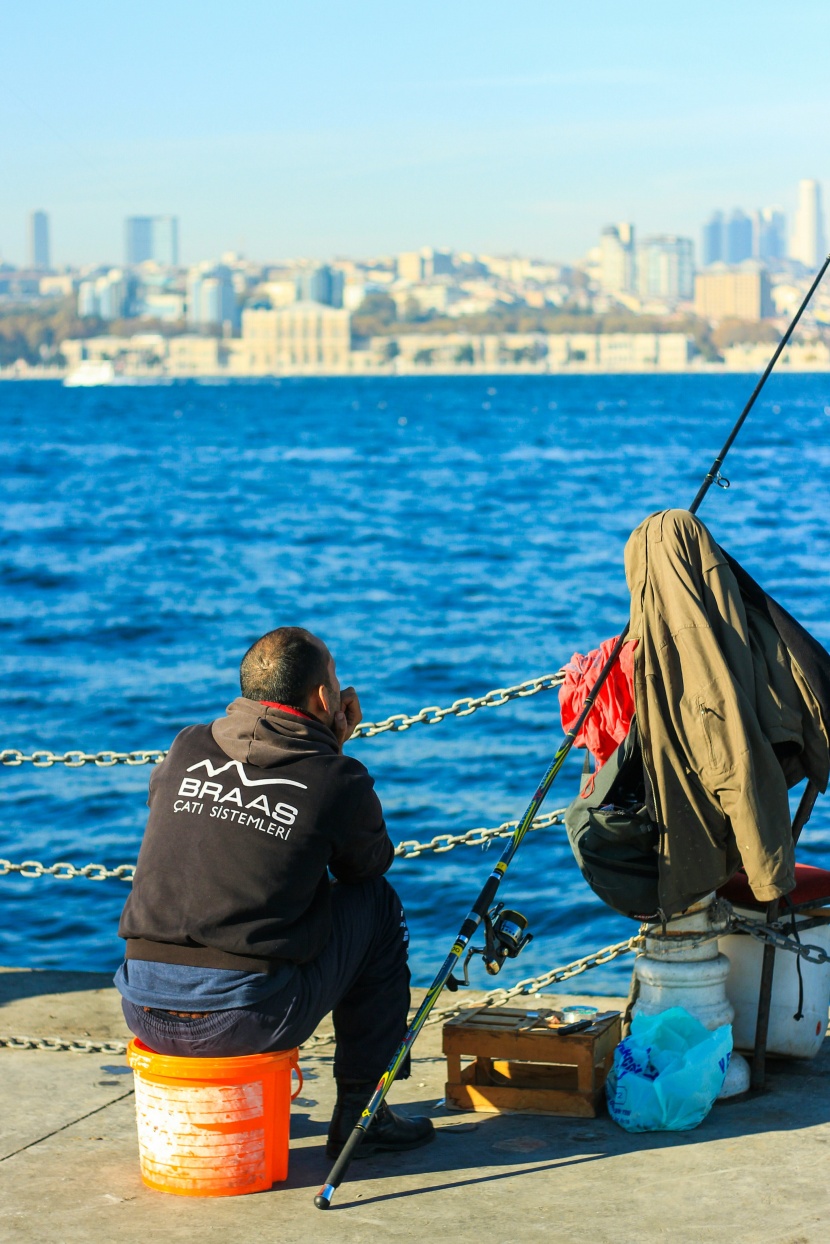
[(673, 972)]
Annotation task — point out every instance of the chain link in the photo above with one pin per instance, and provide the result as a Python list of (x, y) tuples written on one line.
[(63, 1045), (65, 871), (534, 984), (74, 760), (531, 985), (493, 997), (409, 849), (464, 707), (44, 759), (774, 935)]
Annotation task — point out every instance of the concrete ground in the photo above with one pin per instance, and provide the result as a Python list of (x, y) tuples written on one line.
[(753, 1171)]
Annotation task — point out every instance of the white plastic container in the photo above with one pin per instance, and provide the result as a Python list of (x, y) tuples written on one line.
[(787, 1037), (672, 972)]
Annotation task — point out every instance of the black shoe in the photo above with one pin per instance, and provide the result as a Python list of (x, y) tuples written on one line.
[(388, 1132)]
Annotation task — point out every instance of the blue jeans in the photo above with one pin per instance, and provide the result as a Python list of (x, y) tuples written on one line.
[(362, 977)]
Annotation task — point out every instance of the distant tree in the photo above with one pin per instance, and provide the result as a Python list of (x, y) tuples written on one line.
[(391, 350), (740, 332), (465, 354), (32, 332), (412, 312), (164, 328), (424, 357), (375, 316)]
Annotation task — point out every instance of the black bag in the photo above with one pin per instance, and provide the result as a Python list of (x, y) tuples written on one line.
[(614, 840)]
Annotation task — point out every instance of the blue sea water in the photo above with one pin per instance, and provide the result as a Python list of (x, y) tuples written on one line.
[(445, 536)]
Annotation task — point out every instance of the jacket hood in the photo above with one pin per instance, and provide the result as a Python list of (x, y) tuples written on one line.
[(256, 735)]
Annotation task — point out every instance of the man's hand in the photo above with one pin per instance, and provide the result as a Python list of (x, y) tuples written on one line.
[(349, 715)]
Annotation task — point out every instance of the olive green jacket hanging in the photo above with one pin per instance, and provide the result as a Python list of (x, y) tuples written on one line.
[(723, 709)]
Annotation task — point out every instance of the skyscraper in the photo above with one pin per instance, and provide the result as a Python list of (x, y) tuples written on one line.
[(738, 237), (105, 296), (211, 298), (39, 240), (424, 264), (769, 233), (666, 268), (321, 284), (808, 233), (713, 247), (152, 237), (617, 259)]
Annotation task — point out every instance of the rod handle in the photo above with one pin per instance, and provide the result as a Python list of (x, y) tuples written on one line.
[(324, 1196)]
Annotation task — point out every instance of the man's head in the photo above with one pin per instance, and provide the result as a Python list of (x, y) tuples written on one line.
[(293, 667)]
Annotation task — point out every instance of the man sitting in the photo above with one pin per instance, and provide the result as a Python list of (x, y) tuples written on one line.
[(238, 941)]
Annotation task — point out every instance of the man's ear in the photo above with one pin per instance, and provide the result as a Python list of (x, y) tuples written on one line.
[(326, 700)]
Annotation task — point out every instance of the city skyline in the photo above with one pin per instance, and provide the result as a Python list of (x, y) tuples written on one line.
[(762, 233), (319, 131)]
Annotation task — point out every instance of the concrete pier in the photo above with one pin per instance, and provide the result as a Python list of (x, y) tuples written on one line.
[(755, 1170)]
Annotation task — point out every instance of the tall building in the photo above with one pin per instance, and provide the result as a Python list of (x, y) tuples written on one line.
[(321, 284), (211, 297), (769, 234), (106, 296), (712, 240), (421, 265), (617, 267), (738, 237), (808, 232), (666, 268), (741, 293), (39, 240), (438, 262), (152, 237)]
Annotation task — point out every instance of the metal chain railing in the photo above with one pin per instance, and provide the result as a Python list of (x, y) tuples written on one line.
[(44, 759), (408, 849), (460, 708), (493, 997), (772, 933), (64, 871), (430, 716), (535, 984), (62, 1045), (775, 936)]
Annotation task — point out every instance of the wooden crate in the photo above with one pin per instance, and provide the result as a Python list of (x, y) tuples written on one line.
[(527, 1070)]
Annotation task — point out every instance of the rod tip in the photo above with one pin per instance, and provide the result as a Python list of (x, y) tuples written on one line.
[(323, 1197)]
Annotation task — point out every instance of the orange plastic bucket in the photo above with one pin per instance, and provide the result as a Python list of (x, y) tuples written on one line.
[(213, 1126)]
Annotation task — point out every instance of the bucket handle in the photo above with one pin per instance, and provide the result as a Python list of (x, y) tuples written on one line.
[(295, 1066)]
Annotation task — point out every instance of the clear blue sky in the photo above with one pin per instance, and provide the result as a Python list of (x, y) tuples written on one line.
[(358, 127)]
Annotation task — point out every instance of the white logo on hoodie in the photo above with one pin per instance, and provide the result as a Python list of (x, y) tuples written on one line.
[(229, 804), (212, 771)]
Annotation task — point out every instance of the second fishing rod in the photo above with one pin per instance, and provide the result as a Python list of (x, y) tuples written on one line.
[(505, 939)]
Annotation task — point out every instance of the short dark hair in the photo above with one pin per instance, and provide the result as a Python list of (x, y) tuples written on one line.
[(284, 666)]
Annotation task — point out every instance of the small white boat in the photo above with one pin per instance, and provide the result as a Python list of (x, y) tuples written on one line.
[(89, 373)]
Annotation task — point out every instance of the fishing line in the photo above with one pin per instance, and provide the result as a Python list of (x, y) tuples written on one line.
[(480, 909)]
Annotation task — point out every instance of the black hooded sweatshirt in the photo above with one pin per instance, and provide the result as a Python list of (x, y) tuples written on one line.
[(247, 818)]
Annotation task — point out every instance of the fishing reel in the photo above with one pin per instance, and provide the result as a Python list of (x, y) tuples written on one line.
[(505, 937)]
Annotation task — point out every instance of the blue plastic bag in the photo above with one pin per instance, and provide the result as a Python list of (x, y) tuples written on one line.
[(667, 1072)]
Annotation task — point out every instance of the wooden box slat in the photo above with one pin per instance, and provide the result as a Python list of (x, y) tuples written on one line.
[(538, 1071)]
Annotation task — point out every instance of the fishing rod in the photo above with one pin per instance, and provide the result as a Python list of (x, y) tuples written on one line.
[(713, 475), (505, 937)]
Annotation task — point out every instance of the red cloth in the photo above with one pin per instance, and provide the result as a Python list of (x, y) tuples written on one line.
[(610, 718), (812, 885), (286, 708)]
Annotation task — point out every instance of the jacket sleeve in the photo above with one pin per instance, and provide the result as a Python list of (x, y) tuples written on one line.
[(362, 849)]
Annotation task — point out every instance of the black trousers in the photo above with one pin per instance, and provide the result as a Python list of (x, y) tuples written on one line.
[(362, 977)]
